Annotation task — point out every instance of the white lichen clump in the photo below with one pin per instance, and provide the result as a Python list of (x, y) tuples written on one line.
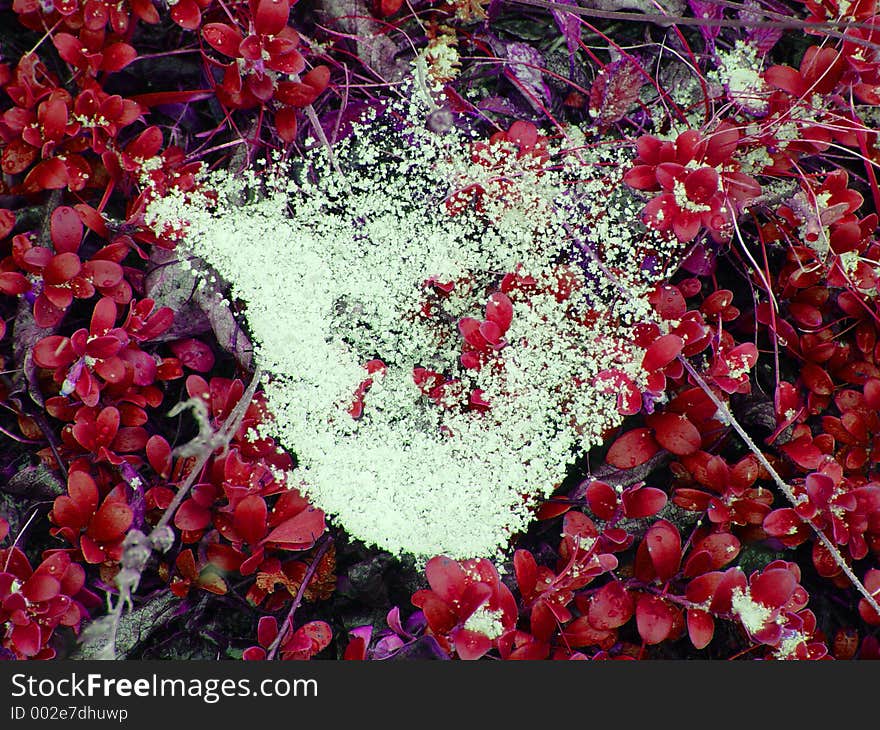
[(739, 71), (332, 261)]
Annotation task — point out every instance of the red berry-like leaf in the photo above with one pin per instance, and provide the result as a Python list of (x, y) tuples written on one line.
[(12, 283), (249, 518), (471, 645), (191, 516), (526, 571), (643, 502), (661, 352), (611, 606), (299, 532), (774, 587), (222, 38), (446, 578), (872, 583), (194, 354), (110, 521), (159, 455), (701, 627), (271, 16), (785, 523), (66, 229), (675, 433), (632, 449), (602, 500), (499, 309), (663, 544), (117, 56), (653, 619), (286, 124)]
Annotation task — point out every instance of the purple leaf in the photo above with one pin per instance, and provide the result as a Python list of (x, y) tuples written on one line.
[(524, 70)]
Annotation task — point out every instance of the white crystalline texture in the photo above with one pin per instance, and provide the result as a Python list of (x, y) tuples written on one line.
[(331, 269)]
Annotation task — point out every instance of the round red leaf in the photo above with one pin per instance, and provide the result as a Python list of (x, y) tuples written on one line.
[(661, 352), (664, 548), (633, 448), (66, 229), (675, 433), (611, 606), (271, 16), (249, 518), (53, 351), (701, 628), (110, 522), (300, 532), (602, 499), (191, 516), (653, 619), (643, 502)]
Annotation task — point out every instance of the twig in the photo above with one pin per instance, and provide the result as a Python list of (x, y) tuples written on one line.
[(223, 436), (287, 626)]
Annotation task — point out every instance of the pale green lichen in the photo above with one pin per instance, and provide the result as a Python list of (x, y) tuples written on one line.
[(331, 269)]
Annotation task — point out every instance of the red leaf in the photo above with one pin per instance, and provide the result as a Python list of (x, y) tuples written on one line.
[(83, 491), (249, 519), (286, 124), (195, 354), (602, 500), (499, 309), (446, 578), (26, 638), (653, 619), (66, 229), (191, 516), (222, 38), (664, 548), (300, 532), (68, 47), (526, 571), (661, 352), (110, 522), (701, 628), (581, 632), (806, 315), (774, 587), (17, 157), (611, 606), (629, 398), (318, 633), (61, 269), (643, 502), (267, 630), (631, 449), (817, 379), (50, 174), (53, 351), (872, 583), (615, 91), (159, 455), (271, 16), (186, 14), (12, 283), (40, 587), (471, 645), (675, 433), (783, 523), (295, 94), (319, 78), (117, 56), (717, 550)]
